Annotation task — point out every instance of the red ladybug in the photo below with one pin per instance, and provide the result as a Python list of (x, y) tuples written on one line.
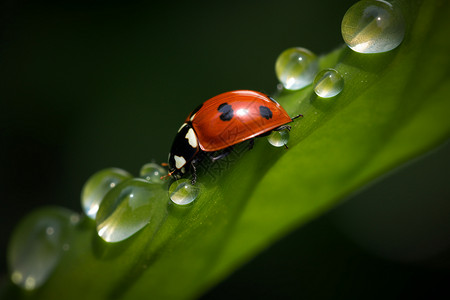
[(221, 122)]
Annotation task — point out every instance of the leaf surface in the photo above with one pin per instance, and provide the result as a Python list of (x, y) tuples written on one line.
[(394, 107)]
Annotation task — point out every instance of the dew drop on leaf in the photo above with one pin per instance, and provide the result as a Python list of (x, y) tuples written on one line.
[(373, 26), (328, 83), (296, 67), (126, 209), (183, 192), (152, 172), (97, 186), (37, 244), (279, 138)]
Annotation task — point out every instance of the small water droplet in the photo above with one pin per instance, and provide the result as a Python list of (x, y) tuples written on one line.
[(183, 192), (296, 67), (37, 244), (279, 138), (152, 172), (97, 186), (328, 83), (373, 26), (126, 209)]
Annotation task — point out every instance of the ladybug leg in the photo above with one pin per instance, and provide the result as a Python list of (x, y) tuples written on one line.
[(224, 153), (194, 172), (251, 143)]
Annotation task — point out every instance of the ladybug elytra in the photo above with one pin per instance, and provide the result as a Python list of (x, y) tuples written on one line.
[(221, 122)]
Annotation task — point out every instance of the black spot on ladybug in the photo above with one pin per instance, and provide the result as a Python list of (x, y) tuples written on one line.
[(265, 112), (227, 112)]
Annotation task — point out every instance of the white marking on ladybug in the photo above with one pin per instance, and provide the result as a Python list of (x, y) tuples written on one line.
[(192, 118), (184, 124), (179, 161), (192, 138)]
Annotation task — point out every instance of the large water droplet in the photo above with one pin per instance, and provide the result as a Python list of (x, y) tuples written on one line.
[(152, 172), (128, 208), (373, 26), (97, 186), (296, 67), (183, 192), (279, 138), (37, 245), (328, 83)]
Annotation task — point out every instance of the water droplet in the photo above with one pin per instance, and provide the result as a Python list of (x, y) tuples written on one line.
[(296, 67), (328, 83), (127, 209), (182, 192), (373, 26), (152, 172), (37, 244), (279, 138), (97, 186)]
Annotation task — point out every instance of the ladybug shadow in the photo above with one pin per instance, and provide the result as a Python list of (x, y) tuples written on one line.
[(211, 166), (254, 151)]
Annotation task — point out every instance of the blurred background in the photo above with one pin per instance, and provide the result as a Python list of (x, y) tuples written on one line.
[(86, 85)]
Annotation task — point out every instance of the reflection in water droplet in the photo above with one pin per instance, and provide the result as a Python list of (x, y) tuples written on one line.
[(328, 83), (37, 244), (126, 209), (152, 172), (279, 138), (373, 26), (50, 230), (97, 186), (182, 192), (296, 67), (74, 219)]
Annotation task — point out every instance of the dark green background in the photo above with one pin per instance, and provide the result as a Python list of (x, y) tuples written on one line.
[(86, 85)]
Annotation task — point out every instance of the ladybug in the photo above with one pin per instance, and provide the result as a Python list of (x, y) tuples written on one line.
[(221, 122)]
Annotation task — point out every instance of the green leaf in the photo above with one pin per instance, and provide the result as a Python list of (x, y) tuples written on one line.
[(393, 108)]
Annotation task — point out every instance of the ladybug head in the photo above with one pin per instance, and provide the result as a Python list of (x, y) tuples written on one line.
[(184, 149), (173, 170)]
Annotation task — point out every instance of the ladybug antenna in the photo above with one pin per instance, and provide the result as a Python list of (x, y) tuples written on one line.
[(165, 177), (168, 175)]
